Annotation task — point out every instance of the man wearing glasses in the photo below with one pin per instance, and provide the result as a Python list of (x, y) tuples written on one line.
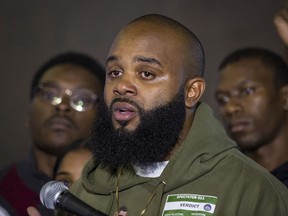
[(64, 96)]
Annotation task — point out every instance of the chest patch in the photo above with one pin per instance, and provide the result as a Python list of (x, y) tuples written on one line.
[(189, 205)]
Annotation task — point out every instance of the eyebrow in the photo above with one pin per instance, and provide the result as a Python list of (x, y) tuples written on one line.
[(111, 59), (240, 84), (148, 60), (54, 84)]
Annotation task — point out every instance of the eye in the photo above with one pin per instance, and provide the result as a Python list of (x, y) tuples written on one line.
[(222, 99), (248, 90), (146, 75), (83, 100), (115, 73), (67, 183), (48, 94)]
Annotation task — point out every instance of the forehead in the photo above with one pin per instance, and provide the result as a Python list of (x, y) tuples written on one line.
[(77, 154), (246, 70), (70, 76), (146, 39), (75, 158)]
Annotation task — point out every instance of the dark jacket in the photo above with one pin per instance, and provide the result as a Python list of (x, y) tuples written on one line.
[(20, 184), (206, 175)]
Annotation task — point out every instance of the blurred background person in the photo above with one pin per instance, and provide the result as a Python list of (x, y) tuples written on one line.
[(252, 95), (64, 97), (69, 165)]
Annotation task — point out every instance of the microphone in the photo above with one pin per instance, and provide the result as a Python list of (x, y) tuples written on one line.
[(55, 194)]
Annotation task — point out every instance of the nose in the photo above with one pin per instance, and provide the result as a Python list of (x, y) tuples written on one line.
[(125, 86), (64, 106), (232, 108)]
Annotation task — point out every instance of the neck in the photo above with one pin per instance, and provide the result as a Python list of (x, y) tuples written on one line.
[(45, 162), (273, 154)]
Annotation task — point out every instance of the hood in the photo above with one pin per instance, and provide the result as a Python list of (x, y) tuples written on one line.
[(200, 152)]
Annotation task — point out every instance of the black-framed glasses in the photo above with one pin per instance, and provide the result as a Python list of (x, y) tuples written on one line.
[(79, 99)]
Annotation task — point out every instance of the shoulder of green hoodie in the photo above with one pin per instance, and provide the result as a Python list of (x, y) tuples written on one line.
[(207, 163)]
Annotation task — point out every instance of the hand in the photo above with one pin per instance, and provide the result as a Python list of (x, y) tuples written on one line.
[(281, 24), (32, 211)]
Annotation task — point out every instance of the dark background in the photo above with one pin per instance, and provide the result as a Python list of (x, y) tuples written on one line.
[(31, 31)]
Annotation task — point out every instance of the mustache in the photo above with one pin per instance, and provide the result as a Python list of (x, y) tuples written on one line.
[(126, 100)]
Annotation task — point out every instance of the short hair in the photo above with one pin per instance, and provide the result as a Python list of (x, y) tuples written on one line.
[(196, 51), (72, 58), (267, 57)]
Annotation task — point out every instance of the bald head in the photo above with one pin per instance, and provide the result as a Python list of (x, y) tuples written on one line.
[(186, 45)]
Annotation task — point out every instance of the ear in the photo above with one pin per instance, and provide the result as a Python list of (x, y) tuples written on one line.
[(284, 92), (194, 90)]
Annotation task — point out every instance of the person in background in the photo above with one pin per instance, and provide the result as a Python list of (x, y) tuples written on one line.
[(157, 149), (64, 97), (252, 94), (69, 165)]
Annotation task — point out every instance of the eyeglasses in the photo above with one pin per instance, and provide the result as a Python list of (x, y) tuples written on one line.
[(79, 99)]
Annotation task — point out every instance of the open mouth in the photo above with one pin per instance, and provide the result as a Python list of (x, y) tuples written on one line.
[(123, 111)]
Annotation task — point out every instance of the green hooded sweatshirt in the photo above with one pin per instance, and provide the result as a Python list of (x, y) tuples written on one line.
[(207, 175)]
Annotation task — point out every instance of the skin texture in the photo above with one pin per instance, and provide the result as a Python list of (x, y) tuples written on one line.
[(54, 127), (254, 110), (150, 77), (32, 211), (72, 164)]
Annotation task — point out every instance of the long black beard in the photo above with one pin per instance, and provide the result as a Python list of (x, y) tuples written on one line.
[(156, 135)]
